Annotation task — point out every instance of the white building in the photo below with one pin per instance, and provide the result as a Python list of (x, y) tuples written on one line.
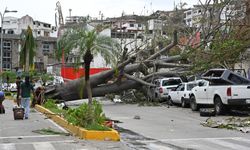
[(13, 25), (193, 17), (155, 25), (133, 27), (234, 10)]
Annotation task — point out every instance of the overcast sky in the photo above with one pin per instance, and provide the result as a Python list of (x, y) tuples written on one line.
[(44, 10)]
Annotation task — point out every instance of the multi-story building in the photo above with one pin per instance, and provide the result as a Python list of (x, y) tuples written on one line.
[(155, 25), (233, 10), (193, 16), (13, 29)]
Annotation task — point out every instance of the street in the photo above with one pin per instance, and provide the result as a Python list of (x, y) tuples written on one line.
[(27, 135), (160, 127), (140, 127)]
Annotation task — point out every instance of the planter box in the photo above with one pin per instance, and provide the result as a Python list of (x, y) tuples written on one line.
[(82, 133)]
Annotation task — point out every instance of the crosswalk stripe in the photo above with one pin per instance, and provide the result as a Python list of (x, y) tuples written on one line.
[(202, 143), (31, 136), (43, 146), (243, 139), (228, 144), (24, 143), (198, 139), (191, 145), (154, 146), (9, 146)]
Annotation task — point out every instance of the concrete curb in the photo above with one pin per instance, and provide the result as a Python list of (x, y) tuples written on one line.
[(82, 133)]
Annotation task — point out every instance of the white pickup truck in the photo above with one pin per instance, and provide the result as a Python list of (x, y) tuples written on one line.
[(222, 89)]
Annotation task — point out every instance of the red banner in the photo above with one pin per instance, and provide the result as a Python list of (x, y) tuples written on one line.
[(72, 73)]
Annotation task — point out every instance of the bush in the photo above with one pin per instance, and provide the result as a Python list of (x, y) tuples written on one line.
[(7, 93), (50, 104), (86, 116)]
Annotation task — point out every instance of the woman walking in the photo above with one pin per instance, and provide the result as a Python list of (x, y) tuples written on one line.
[(25, 91)]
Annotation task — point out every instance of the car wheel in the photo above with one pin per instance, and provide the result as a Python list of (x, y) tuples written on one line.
[(218, 106), (183, 103), (193, 104), (170, 101)]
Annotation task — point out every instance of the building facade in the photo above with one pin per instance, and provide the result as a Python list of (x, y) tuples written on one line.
[(194, 17), (13, 29)]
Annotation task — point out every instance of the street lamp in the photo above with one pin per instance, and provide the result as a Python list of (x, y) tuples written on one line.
[(1, 50)]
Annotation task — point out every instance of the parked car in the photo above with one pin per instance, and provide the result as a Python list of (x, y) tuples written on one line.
[(4, 86), (164, 85), (12, 87), (9, 87), (224, 90), (181, 95)]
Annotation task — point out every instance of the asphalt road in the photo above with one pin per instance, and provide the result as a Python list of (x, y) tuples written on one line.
[(160, 127), (26, 135)]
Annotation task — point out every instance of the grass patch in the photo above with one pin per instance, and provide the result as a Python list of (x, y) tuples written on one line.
[(98, 127)]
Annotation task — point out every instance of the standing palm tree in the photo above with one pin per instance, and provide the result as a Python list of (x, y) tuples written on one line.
[(89, 44), (27, 52)]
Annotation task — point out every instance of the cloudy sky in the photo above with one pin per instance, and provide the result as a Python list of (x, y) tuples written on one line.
[(44, 10)]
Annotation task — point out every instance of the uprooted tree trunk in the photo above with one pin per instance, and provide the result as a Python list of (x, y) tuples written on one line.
[(99, 82)]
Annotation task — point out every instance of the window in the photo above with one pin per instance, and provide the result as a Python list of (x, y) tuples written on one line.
[(6, 46), (131, 25), (6, 66), (180, 87), (46, 47), (46, 34), (171, 82), (6, 60), (6, 54), (237, 79), (202, 83), (191, 86), (10, 32)]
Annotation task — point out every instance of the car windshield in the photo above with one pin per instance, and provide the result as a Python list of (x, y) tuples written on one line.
[(171, 82)]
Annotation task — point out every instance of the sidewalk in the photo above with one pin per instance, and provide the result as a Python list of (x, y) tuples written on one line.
[(19, 134)]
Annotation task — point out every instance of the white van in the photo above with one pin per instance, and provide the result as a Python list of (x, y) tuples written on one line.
[(164, 85)]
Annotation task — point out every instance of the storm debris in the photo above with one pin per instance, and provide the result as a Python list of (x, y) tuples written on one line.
[(232, 123)]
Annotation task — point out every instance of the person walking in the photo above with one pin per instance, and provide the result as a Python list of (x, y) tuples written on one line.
[(25, 92)]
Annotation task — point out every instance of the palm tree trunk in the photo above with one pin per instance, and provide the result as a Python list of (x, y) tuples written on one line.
[(88, 57), (27, 61)]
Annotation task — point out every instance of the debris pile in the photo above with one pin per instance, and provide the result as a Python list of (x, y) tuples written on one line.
[(233, 123)]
